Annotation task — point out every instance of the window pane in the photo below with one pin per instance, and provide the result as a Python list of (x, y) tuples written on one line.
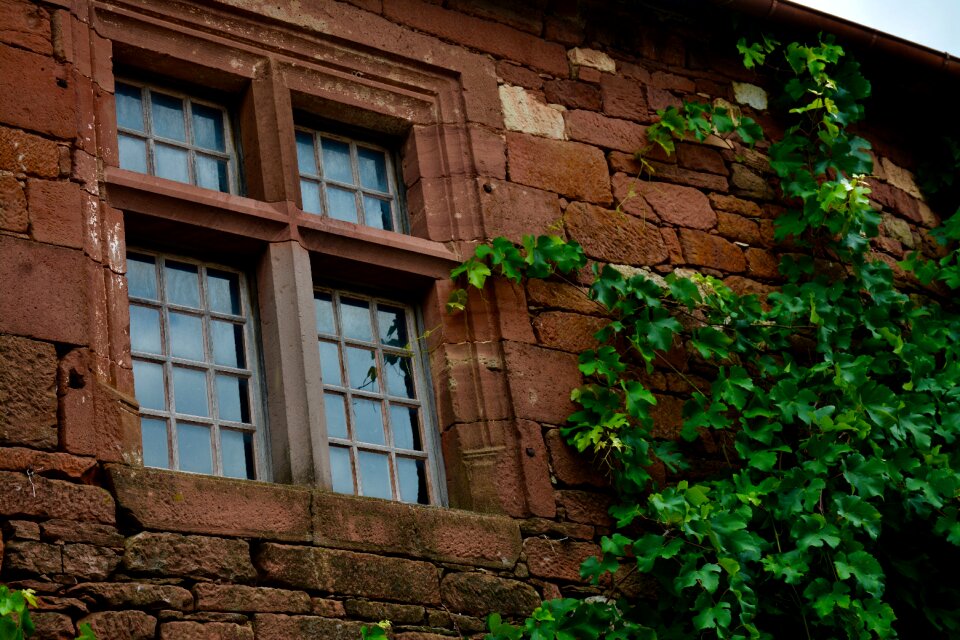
[(406, 427), (355, 319), (167, 114), (227, 340), (145, 329), (196, 454), (330, 363), (393, 326), (342, 204), (133, 154), (341, 470), (148, 385), (236, 452), (190, 391), (336, 161), (323, 305), (362, 369), (223, 292), (153, 432), (377, 213), (399, 375), (186, 336), (182, 285), (129, 107), (336, 415), (306, 161), (212, 173), (373, 169), (375, 475), (171, 163), (412, 475), (208, 127), (233, 400), (310, 194), (141, 277), (367, 421)]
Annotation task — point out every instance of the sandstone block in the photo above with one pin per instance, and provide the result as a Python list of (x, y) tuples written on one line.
[(558, 295), (610, 236), (701, 158), (39, 497), (270, 626), (13, 205), (56, 464), (585, 507), (707, 250), (570, 466), (25, 25), (501, 201), (624, 98), (592, 58), (89, 562), (572, 169), (481, 594), (34, 94), (572, 94), (900, 178), (682, 206), (557, 559), (55, 215), (534, 397), (28, 395), (626, 192), (376, 611), (122, 625), (134, 595), (239, 598), (187, 630), (733, 204), (610, 133), (101, 535), (567, 331), (669, 172), (53, 626), (762, 264), (523, 112), (738, 228), (751, 95), (22, 152), (199, 557), (750, 184), (32, 557)]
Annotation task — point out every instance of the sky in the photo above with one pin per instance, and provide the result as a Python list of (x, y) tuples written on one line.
[(934, 23)]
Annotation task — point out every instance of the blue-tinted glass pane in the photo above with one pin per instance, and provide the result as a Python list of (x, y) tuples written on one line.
[(341, 470), (393, 326), (223, 291), (227, 340), (342, 204), (208, 129), (133, 154), (171, 163), (336, 415), (310, 194), (148, 385), (412, 475), (336, 161), (375, 475), (167, 113), (145, 330), (129, 107), (233, 399), (323, 304), (212, 173), (236, 452), (373, 169), (190, 391), (355, 319), (367, 421), (306, 161), (193, 443), (182, 288), (330, 363), (141, 277), (406, 427), (362, 369), (377, 213), (186, 336), (153, 432), (399, 375)]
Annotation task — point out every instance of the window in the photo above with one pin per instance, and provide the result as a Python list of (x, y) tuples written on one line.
[(194, 366), (373, 391), (347, 180), (176, 137)]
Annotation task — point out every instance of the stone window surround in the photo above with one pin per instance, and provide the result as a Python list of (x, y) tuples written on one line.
[(445, 116)]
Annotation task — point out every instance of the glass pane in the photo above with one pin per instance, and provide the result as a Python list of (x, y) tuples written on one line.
[(182, 285), (190, 391), (167, 114), (330, 363), (223, 292), (153, 432), (233, 400), (362, 369), (148, 385), (399, 375), (342, 204), (186, 336), (212, 173), (129, 107), (375, 475), (236, 453), (412, 475), (193, 443), (393, 326), (377, 213), (227, 340), (208, 129), (373, 169), (310, 194), (336, 415), (355, 319), (367, 421), (341, 470), (306, 161), (141, 277), (171, 163), (406, 427), (336, 161), (145, 329), (133, 154), (323, 305)]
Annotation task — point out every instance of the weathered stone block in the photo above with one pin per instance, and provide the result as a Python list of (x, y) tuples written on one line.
[(25, 25), (278, 627), (101, 535), (611, 236), (134, 595), (21, 152), (535, 397), (53, 626), (569, 466), (500, 201), (682, 206), (592, 58), (480, 594), (28, 394), (58, 464), (232, 597), (376, 611), (585, 507), (89, 562), (557, 559), (39, 497), (34, 94), (609, 133), (32, 557), (200, 557), (572, 169), (572, 94), (13, 205), (707, 250), (55, 215), (523, 112), (187, 630), (623, 98), (122, 625), (557, 295), (567, 331)]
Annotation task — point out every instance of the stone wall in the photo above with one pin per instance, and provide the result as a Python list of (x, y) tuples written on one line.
[(546, 105)]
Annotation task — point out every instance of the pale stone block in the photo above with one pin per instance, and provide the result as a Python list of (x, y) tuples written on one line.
[(592, 58), (523, 112), (898, 230), (750, 94), (901, 178)]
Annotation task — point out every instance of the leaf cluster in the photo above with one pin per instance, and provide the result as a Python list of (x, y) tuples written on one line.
[(15, 622)]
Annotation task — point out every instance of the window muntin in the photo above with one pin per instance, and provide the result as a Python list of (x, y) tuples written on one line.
[(373, 398), (194, 366), (347, 180), (175, 136)]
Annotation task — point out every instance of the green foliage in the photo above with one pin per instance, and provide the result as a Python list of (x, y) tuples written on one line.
[(15, 623), (834, 405)]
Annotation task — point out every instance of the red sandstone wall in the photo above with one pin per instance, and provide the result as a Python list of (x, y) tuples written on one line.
[(555, 102)]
